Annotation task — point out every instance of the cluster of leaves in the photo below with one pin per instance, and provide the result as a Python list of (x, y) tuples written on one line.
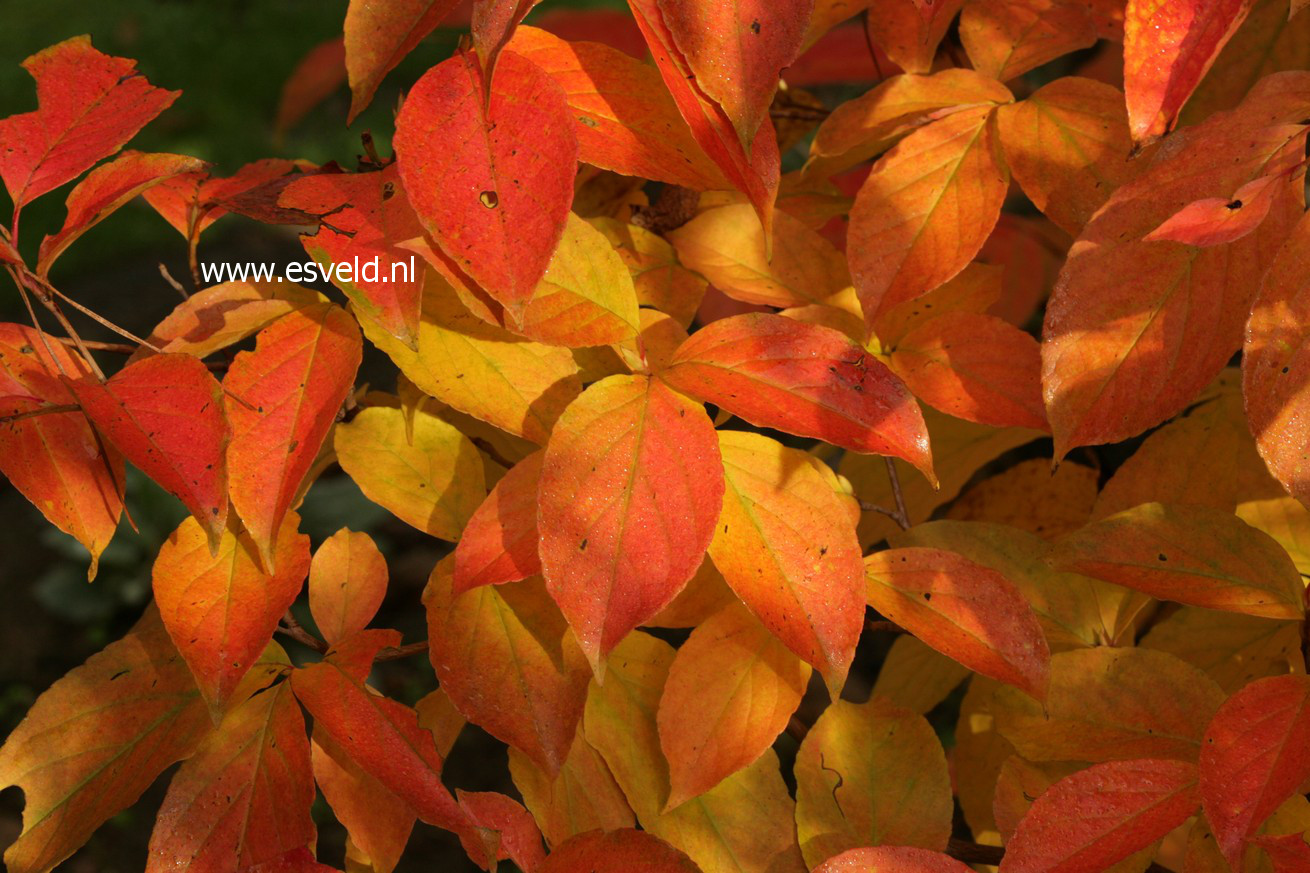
[(1133, 652)]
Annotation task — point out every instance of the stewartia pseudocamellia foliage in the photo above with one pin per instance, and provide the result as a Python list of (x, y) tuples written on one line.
[(709, 385)]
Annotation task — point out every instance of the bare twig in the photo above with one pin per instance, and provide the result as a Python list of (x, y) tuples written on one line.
[(291, 628), (902, 517), (177, 286), (886, 627), (393, 653), (98, 319), (116, 348)]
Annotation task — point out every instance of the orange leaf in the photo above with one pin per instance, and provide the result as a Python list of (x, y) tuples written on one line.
[(626, 120), (1007, 38), (786, 544), (620, 851), (910, 30), (315, 78), (106, 188), (1124, 309), (630, 488), (219, 606), (731, 689), (282, 399), (491, 182), (803, 379), (1288, 852), (362, 217), (1099, 816), (243, 798), (376, 820), (493, 23), (499, 543), (926, 209), (55, 460), (193, 201), (737, 50), (97, 739), (379, 36), (506, 658), (347, 581), (1217, 220), (891, 859), (165, 414), (222, 315), (89, 105), (1168, 47), (1256, 754), (964, 610), (975, 367), (1274, 366), (1189, 554)]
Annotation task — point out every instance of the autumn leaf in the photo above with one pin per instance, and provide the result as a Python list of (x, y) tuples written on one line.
[(617, 852), (1101, 815), (910, 30), (870, 774), (626, 120), (803, 379), (1254, 757), (731, 689), (1288, 852), (737, 51), (377, 822), (1216, 220), (318, 74), (926, 209), (165, 414), (582, 797), (96, 740), (891, 859), (1190, 554), (192, 202), (491, 182), (506, 658), (630, 488), (362, 217), (1168, 47), (379, 36), (1006, 39), (220, 606), (432, 479), (520, 839), (243, 798), (104, 190), (492, 24), (499, 543), (916, 676), (347, 582), (1122, 305), (222, 315), (89, 105), (282, 399), (1232, 650)]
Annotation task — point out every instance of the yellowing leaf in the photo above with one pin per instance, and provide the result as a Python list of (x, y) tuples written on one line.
[(506, 658), (433, 482), (966, 611), (221, 607), (870, 774), (221, 315), (1031, 497), (581, 797), (731, 689), (926, 209), (1285, 519), (1232, 649), (480, 369), (96, 739), (1111, 705), (630, 487), (1007, 38), (660, 280), (347, 581), (785, 543), (916, 676)]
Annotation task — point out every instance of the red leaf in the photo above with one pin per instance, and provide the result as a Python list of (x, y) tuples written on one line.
[(493, 23), (319, 73), (910, 30), (499, 543), (1217, 220), (1097, 817), (243, 799), (106, 188), (347, 582), (629, 492), (804, 379), (891, 859), (975, 367), (379, 35), (1290, 853), (362, 218), (520, 838), (620, 851), (55, 460), (190, 202), (626, 120), (219, 606), (755, 172), (282, 399), (737, 51), (377, 821), (1255, 755), (165, 414), (89, 105), (966, 611), (492, 183), (1168, 48)]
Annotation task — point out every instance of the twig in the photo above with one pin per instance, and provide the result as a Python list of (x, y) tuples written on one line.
[(490, 451), (797, 729), (393, 653), (902, 517), (886, 627), (291, 628), (36, 323), (116, 348), (40, 410), (177, 286), (98, 319), (41, 291)]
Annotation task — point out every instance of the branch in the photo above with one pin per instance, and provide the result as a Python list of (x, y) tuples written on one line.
[(393, 653), (902, 517), (884, 627), (291, 628)]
